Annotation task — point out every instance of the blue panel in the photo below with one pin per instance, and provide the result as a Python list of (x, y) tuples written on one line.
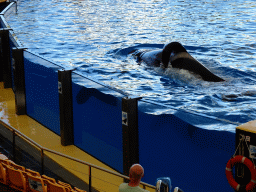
[(98, 123), (42, 97), (194, 158)]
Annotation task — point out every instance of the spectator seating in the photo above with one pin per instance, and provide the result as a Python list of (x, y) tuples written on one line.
[(27, 180), (15, 178), (34, 173), (49, 178), (66, 185), (2, 174), (5, 161), (79, 190), (55, 187), (18, 167), (35, 183)]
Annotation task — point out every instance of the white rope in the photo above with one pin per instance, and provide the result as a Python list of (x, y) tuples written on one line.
[(243, 138), (238, 145)]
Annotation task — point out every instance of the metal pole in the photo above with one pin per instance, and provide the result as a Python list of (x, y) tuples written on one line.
[(5, 60), (130, 133), (13, 145), (16, 6), (90, 179), (19, 80), (66, 107), (42, 161)]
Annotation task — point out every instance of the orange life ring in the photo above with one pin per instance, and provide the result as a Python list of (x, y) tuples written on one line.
[(249, 164)]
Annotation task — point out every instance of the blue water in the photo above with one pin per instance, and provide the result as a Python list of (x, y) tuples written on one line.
[(96, 37)]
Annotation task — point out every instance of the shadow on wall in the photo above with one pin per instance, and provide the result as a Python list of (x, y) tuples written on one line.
[(85, 93)]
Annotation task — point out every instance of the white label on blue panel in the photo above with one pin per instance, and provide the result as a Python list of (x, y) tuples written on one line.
[(124, 118)]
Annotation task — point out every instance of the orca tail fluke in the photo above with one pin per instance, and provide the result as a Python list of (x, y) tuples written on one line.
[(213, 78)]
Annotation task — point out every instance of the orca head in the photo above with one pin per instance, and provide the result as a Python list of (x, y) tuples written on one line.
[(171, 50)]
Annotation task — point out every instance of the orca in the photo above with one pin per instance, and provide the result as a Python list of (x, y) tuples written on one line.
[(178, 57)]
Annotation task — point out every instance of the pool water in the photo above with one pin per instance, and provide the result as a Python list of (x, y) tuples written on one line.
[(96, 37)]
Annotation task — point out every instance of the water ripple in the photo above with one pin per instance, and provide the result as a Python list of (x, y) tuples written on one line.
[(96, 38)]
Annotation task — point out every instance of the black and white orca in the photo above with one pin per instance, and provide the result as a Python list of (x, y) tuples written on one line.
[(178, 57)]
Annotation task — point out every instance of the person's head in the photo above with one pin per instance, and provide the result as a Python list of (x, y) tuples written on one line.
[(136, 172)]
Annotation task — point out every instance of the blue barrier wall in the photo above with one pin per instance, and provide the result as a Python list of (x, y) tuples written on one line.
[(193, 157), (98, 121), (42, 97)]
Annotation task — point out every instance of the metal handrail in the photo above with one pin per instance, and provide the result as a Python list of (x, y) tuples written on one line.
[(16, 132)]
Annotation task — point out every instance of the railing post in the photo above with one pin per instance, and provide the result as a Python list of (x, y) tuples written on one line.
[(13, 145), (19, 80), (130, 133), (1, 58), (90, 178), (163, 184), (66, 107), (42, 161), (5, 62), (16, 6)]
